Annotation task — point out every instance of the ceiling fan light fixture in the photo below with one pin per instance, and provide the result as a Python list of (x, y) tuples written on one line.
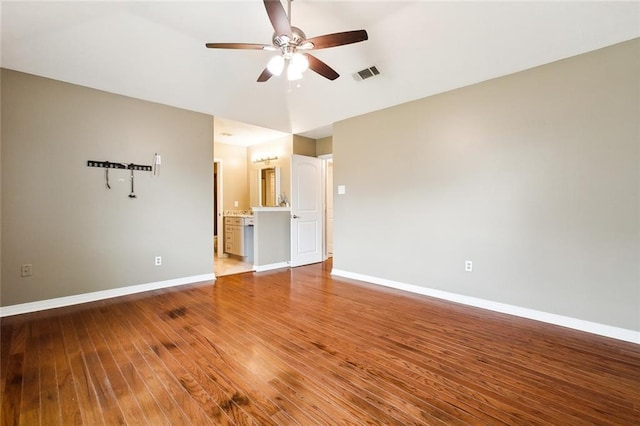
[(276, 65), (299, 62), (293, 73)]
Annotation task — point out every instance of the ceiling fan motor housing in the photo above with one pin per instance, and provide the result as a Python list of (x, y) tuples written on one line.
[(287, 44)]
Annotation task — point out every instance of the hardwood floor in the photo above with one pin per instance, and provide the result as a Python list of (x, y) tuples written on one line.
[(298, 347)]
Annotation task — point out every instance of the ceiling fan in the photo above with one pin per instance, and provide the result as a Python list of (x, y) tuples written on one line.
[(293, 44)]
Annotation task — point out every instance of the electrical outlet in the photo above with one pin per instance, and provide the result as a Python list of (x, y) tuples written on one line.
[(468, 266), (158, 260), (25, 270)]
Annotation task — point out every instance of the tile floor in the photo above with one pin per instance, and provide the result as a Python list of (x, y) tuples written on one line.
[(230, 265)]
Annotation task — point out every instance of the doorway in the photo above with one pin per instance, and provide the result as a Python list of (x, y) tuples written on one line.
[(223, 263)]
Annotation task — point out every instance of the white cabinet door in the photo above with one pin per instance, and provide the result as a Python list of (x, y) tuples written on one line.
[(238, 241)]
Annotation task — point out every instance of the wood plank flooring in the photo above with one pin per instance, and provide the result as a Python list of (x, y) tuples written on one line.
[(297, 347)]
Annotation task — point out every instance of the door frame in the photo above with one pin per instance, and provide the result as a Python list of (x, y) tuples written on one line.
[(220, 205), (325, 159)]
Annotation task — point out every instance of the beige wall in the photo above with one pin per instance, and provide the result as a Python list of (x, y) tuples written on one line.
[(533, 176), (304, 146), (57, 213), (235, 175), (282, 148), (324, 146), (272, 238)]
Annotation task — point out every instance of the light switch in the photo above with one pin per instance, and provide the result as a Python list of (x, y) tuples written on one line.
[(342, 189)]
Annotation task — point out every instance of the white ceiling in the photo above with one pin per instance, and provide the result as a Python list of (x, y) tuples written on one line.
[(155, 51)]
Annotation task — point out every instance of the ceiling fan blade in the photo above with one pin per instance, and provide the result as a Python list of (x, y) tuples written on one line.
[(321, 68), (338, 39), (278, 17), (253, 46), (266, 75)]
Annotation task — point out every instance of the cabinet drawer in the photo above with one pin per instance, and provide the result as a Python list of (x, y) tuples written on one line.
[(233, 220)]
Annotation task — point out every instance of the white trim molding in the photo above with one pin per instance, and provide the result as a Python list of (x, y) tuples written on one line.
[(564, 321), (60, 302), (271, 266)]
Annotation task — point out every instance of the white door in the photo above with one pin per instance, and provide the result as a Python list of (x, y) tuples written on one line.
[(306, 210)]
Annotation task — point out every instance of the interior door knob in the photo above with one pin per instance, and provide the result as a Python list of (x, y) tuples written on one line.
[(296, 216)]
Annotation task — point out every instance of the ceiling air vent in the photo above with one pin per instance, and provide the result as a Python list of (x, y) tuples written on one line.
[(366, 73)]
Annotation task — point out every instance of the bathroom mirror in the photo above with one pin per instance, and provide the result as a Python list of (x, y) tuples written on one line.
[(269, 186)]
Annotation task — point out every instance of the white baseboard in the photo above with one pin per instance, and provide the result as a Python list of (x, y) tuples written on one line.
[(271, 266), (59, 302), (569, 322)]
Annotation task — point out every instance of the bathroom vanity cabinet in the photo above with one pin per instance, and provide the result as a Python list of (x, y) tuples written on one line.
[(238, 235)]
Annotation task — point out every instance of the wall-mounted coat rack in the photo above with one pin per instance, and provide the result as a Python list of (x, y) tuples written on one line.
[(110, 165)]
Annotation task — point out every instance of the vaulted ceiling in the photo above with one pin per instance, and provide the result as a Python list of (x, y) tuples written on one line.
[(156, 50)]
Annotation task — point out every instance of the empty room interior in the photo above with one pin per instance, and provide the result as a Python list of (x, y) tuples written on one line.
[(320, 212)]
